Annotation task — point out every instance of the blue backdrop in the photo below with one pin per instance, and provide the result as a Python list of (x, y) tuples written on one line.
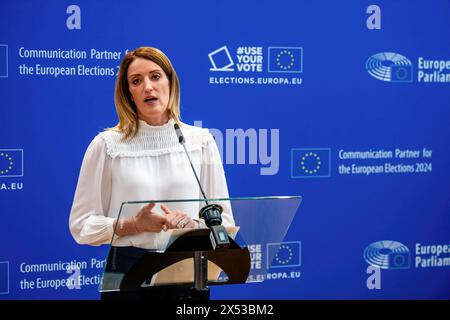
[(344, 103)]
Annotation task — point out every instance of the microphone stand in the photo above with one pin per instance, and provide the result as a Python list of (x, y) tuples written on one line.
[(219, 237), (212, 213), (200, 257)]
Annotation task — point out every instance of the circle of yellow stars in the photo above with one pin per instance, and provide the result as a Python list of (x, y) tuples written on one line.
[(314, 156), (9, 166), (290, 254), (290, 55)]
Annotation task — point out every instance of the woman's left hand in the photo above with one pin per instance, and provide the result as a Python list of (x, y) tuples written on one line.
[(177, 219)]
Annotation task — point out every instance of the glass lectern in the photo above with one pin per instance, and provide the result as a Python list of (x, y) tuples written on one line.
[(183, 263)]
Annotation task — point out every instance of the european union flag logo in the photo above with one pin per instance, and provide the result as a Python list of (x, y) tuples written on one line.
[(11, 163), (399, 260), (401, 74), (3, 61), (4, 277), (286, 59), (284, 254), (311, 163)]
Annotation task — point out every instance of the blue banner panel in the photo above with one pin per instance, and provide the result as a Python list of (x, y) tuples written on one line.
[(343, 103)]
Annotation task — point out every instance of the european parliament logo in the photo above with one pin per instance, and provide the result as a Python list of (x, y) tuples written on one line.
[(285, 59), (387, 254), (4, 277), (284, 254), (221, 60), (11, 163), (390, 67), (310, 163), (3, 61)]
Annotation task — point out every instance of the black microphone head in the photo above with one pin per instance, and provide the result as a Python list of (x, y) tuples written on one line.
[(179, 133)]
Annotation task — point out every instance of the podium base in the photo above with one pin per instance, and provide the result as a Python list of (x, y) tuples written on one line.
[(174, 293)]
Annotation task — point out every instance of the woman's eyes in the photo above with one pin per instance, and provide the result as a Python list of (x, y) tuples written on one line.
[(155, 77)]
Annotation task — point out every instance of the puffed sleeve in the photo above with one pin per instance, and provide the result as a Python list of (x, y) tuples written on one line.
[(213, 178), (88, 221)]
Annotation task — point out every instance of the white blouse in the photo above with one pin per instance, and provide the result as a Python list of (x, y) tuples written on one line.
[(150, 166)]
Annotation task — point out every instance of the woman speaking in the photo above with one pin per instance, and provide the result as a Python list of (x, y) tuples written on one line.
[(141, 159)]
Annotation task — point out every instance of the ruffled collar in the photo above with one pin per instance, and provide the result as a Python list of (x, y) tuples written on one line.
[(154, 140), (145, 127)]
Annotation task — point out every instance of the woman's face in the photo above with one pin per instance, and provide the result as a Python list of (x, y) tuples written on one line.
[(150, 91)]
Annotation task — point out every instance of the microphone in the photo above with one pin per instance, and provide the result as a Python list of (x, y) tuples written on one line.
[(212, 213)]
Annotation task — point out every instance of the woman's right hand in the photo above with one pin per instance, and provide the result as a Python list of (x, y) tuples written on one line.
[(148, 221)]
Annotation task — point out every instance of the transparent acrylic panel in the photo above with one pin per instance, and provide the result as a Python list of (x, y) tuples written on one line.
[(258, 224)]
